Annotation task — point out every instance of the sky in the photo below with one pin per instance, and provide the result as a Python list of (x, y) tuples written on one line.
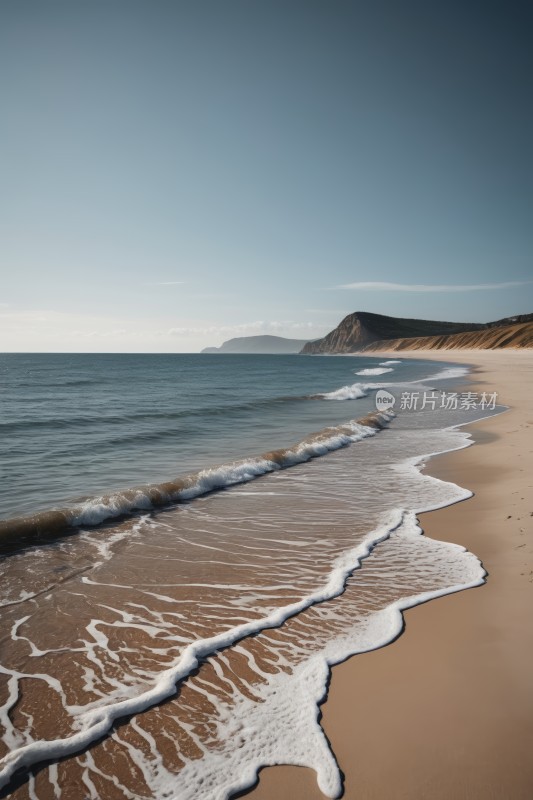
[(173, 174)]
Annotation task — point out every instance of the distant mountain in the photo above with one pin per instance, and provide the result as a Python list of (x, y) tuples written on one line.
[(363, 331), (260, 345)]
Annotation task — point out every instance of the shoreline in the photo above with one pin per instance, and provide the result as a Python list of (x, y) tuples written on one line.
[(447, 709)]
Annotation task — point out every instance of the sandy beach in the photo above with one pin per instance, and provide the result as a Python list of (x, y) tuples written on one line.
[(446, 711)]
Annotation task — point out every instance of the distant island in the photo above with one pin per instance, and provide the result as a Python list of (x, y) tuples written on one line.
[(265, 345), (363, 332)]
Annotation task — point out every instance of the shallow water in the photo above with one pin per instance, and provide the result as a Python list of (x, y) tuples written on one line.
[(173, 653)]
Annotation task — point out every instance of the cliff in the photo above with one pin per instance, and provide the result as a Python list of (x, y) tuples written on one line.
[(358, 330), (492, 338)]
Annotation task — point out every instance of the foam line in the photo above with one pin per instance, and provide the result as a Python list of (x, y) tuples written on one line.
[(446, 374), (309, 747), (374, 370), (353, 392), (97, 722), (96, 510)]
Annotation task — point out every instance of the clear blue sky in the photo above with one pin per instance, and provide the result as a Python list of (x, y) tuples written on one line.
[(176, 173)]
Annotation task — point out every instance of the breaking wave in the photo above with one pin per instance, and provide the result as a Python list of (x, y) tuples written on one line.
[(374, 371), (95, 510), (354, 392)]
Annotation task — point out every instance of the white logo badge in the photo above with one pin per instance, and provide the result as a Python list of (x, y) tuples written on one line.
[(384, 400)]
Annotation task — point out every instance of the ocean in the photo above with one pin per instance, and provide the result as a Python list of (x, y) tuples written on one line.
[(191, 541), (75, 426)]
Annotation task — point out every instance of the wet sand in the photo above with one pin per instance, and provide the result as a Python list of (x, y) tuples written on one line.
[(446, 711), (116, 614)]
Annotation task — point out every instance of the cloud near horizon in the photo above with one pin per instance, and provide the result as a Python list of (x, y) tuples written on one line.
[(166, 283), (383, 286), (246, 329)]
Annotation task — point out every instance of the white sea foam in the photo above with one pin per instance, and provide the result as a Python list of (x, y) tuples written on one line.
[(284, 727), (22, 597), (96, 510), (96, 720), (354, 392), (374, 371), (104, 546), (267, 733), (386, 363), (448, 373)]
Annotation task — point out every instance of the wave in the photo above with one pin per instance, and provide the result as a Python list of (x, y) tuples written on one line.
[(448, 373), (354, 392), (359, 390), (82, 420), (386, 363), (93, 511), (95, 722), (374, 371), (57, 384)]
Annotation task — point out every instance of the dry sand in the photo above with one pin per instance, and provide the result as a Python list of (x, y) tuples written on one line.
[(446, 711)]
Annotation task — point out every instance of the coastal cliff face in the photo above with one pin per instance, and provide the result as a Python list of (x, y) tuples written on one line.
[(359, 330), (491, 338), (350, 334)]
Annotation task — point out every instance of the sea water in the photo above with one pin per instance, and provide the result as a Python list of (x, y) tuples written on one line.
[(186, 642), (74, 426)]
